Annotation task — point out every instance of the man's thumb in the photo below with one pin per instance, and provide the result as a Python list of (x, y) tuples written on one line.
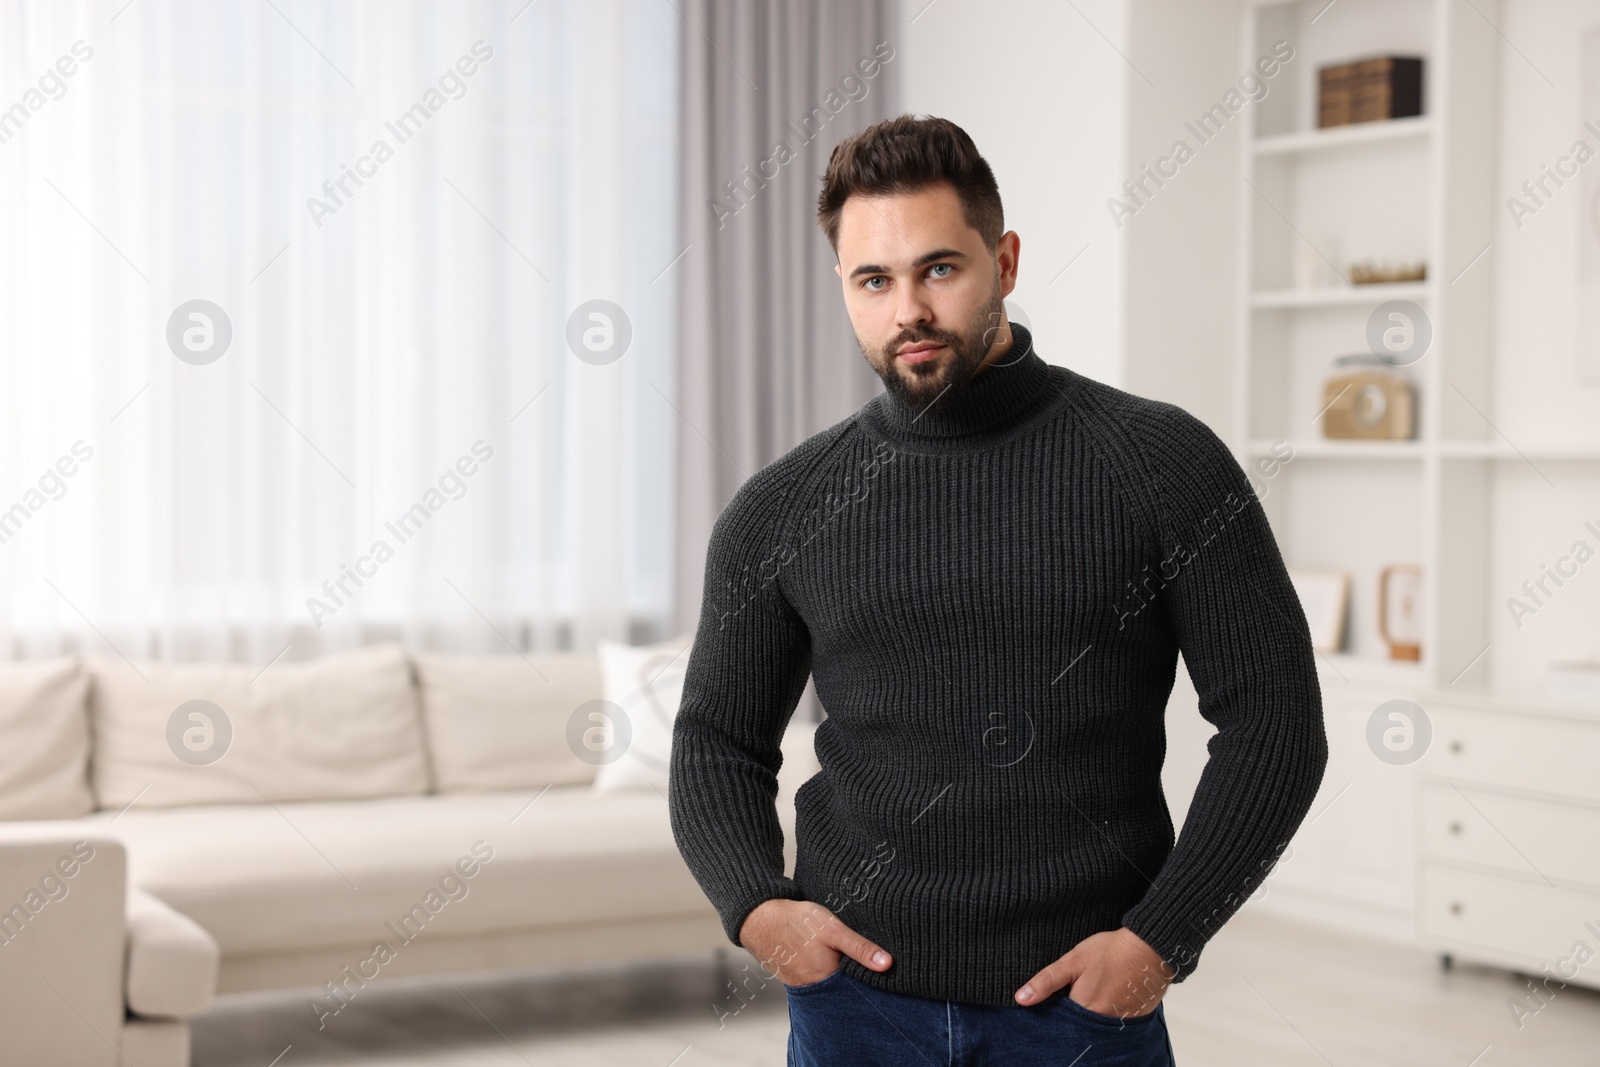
[(860, 949)]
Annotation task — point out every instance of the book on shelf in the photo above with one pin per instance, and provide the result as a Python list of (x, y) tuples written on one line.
[(1369, 90)]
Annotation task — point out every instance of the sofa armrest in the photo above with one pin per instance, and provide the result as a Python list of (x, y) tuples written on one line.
[(172, 960), (799, 763), (62, 934)]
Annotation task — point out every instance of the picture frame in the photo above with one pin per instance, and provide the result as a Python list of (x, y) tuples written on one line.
[(1400, 610), (1325, 598)]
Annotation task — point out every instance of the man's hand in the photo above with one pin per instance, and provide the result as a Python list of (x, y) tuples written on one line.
[(1113, 973), (801, 941)]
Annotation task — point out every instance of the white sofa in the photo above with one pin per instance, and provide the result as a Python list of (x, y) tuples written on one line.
[(374, 814)]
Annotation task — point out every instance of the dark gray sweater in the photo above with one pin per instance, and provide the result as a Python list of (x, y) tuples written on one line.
[(992, 596)]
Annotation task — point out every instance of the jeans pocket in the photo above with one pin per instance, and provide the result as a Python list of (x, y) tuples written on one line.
[(809, 987), (1115, 1022)]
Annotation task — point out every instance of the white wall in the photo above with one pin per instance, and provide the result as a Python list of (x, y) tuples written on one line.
[(1065, 107), (1042, 91), (1180, 243)]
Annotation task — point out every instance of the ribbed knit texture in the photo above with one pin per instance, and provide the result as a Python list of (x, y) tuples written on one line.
[(992, 596)]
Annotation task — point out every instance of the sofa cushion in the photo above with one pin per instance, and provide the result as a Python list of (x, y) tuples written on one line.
[(500, 722), (273, 879), (341, 727), (44, 740), (172, 962), (297, 876), (645, 684)]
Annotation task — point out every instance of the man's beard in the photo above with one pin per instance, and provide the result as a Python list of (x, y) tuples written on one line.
[(919, 385)]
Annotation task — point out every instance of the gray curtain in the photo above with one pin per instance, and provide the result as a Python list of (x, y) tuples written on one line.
[(766, 353)]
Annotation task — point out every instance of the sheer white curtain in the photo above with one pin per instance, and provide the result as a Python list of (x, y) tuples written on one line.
[(398, 207)]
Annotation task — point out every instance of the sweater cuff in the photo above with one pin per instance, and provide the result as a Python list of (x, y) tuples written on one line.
[(735, 911), (1168, 931)]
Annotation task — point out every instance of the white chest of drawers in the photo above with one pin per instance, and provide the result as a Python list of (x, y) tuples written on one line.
[(1509, 835)]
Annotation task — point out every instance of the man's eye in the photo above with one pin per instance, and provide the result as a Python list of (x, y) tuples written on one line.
[(875, 278), (942, 266)]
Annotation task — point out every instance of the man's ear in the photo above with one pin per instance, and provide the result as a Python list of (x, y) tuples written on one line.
[(836, 271), (1011, 250)]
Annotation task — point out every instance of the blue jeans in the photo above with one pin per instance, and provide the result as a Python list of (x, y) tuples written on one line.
[(840, 1021)]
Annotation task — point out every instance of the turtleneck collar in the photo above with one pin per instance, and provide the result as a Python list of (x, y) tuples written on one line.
[(1010, 392)]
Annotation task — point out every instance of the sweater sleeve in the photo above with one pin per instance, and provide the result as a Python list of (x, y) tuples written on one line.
[(748, 666), (1245, 641)]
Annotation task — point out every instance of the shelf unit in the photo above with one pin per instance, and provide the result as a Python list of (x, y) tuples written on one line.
[(1408, 189), (1468, 850)]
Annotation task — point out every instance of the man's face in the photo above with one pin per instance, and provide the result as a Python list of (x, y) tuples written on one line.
[(925, 298)]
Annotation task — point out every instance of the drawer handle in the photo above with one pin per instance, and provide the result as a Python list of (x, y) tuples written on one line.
[(1455, 827), (1455, 907)]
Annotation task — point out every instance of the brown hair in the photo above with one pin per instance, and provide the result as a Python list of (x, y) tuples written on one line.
[(905, 154)]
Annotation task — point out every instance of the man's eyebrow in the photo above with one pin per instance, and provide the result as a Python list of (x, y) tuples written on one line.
[(921, 261)]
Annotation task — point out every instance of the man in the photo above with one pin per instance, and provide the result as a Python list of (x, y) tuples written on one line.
[(990, 570)]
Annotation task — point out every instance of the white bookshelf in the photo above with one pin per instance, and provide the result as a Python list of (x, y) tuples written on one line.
[(1403, 190), (1467, 851)]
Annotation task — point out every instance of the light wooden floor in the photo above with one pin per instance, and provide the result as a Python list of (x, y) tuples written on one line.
[(1268, 993)]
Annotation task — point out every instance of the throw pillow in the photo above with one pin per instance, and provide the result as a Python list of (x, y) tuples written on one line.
[(644, 683)]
